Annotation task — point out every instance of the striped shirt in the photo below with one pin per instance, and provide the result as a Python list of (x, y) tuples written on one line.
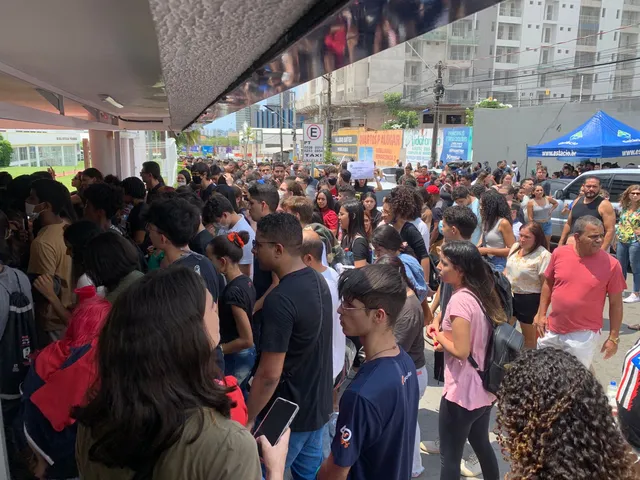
[(627, 396)]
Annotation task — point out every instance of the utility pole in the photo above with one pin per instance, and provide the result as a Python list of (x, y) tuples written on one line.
[(327, 77), (280, 122), (438, 92), (292, 96)]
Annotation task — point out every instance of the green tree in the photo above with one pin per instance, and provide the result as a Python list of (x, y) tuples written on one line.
[(5, 152), (403, 118), (186, 139), (486, 103)]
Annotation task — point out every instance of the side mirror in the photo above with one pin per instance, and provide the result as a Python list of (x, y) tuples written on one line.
[(559, 195)]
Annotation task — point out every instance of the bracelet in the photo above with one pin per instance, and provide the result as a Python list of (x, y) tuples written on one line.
[(614, 340)]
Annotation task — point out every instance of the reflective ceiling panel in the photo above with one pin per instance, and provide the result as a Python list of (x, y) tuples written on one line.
[(352, 32)]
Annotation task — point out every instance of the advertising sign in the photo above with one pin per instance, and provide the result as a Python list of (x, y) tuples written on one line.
[(417, 144), (207, 149), (457, 144), (313, 136), (344, 143), (385, 146)]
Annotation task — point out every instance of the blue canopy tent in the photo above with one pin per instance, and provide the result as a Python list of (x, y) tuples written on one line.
[(601, 136)]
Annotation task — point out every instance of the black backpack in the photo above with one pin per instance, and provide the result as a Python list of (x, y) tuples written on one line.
[(503, 289), (18, 342), (504, 345)]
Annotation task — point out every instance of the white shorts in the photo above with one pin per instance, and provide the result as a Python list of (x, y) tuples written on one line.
[(581, 344)]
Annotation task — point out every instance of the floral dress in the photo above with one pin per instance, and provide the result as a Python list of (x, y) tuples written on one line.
[(627, 225)]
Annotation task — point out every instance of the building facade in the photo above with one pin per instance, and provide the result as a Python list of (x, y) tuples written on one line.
[(47, 148)]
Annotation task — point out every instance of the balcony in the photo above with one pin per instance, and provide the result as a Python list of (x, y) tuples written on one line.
[(466, 39), (438, 35), (510, 15), (591, 3), (631, 5)]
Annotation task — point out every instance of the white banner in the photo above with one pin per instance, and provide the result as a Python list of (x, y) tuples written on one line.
[(418, 145), (313, 135)]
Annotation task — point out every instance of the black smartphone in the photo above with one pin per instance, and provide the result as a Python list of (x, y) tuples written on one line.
[(277, 420)]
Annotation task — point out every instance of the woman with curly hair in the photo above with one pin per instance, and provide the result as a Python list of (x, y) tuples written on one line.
[(554, 422), (627, 235), (497, 232), (404, 211)]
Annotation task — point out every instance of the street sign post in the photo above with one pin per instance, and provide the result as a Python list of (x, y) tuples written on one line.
[(313, 151)]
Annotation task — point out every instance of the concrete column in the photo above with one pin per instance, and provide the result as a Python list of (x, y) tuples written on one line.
[(103, 151)]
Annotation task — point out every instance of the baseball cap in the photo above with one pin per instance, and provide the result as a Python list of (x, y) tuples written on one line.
[(432, 189)]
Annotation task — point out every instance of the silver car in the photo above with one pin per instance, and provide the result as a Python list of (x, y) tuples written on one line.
[(615, 181)]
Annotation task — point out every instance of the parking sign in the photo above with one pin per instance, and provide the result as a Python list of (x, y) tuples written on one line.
[(313, 134)]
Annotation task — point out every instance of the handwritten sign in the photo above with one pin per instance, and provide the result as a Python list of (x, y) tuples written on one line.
[(386, 145), (360, 170)]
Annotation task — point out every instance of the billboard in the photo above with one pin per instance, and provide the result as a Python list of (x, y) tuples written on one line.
[(417, 145), (457, 144), (382, 146)]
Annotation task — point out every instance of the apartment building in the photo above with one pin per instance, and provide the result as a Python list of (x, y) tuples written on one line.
[(523, 52)]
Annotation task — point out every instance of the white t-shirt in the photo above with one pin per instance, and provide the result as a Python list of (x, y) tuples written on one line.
[(339, 339), (423, 229), (243, 226)]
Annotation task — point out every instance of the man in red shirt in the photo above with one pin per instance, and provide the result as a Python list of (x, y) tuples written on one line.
[(423, 176), (578, 280)]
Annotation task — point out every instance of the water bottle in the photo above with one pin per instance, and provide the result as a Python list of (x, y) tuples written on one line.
[(612, 391)]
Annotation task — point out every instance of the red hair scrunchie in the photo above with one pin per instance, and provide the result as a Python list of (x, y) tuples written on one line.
[(235, 238)]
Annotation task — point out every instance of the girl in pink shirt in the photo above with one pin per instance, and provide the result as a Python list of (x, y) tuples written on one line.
[(465, 407)]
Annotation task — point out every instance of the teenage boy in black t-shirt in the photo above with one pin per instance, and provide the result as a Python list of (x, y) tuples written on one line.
[(296, 342)]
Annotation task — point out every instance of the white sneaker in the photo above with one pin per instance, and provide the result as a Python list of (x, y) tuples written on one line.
[(470, 467), (633, 298), (431, 447)]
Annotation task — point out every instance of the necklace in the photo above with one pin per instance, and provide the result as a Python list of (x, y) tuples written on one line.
[(381, 351)]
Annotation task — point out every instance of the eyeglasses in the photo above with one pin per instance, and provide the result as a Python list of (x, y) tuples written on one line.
[(345, 307), (256, 243), (634, 193)]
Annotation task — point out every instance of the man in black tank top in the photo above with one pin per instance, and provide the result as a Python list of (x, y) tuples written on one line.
[(595, 205)]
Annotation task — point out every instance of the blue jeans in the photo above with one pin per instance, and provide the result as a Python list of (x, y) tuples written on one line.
[(305, 454), (240, 364), (629, 253), (497, 263), (547, 227)]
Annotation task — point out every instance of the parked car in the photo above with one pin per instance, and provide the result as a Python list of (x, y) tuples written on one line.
[(615, 181)]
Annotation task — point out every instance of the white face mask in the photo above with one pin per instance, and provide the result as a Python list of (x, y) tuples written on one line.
[(281, 194), (28, 208), (182, 184)]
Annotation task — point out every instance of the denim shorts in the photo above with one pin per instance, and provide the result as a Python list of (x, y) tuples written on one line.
[(546, 227)]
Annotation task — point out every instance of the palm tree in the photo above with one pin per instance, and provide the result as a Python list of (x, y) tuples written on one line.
[(186, 139)]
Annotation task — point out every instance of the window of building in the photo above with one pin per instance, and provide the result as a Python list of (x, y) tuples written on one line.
[(570, 6), (603, 12), (617, 14), (564, 5), (537, 27), (561, 28), (615, 36), (490, 49), (562, 95), (454, 119), (555, 95), (529, 26), (595, 78), (598, 57), (567, 52), (568, 29), (559, 51), (427, 118), (493, 26)]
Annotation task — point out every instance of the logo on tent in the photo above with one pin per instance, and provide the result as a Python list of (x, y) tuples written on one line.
[(576, 136), (623, 134)]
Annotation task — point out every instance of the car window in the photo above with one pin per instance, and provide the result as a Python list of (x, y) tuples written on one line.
[(620, 183), (572, 192)]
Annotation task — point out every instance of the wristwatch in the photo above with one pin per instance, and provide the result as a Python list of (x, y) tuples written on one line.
[(614, 340)]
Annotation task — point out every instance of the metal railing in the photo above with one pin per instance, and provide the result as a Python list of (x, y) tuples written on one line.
[(510, 12)]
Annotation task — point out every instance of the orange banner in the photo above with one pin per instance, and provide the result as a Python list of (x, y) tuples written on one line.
[(386, 145)]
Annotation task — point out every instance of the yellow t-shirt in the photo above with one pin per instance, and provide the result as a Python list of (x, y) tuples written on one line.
[(48, 255)]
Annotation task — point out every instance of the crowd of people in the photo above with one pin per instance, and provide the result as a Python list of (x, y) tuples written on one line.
[(149, 327)]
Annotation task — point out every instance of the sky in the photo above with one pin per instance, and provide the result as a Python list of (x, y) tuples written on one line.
[(229, 121)]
